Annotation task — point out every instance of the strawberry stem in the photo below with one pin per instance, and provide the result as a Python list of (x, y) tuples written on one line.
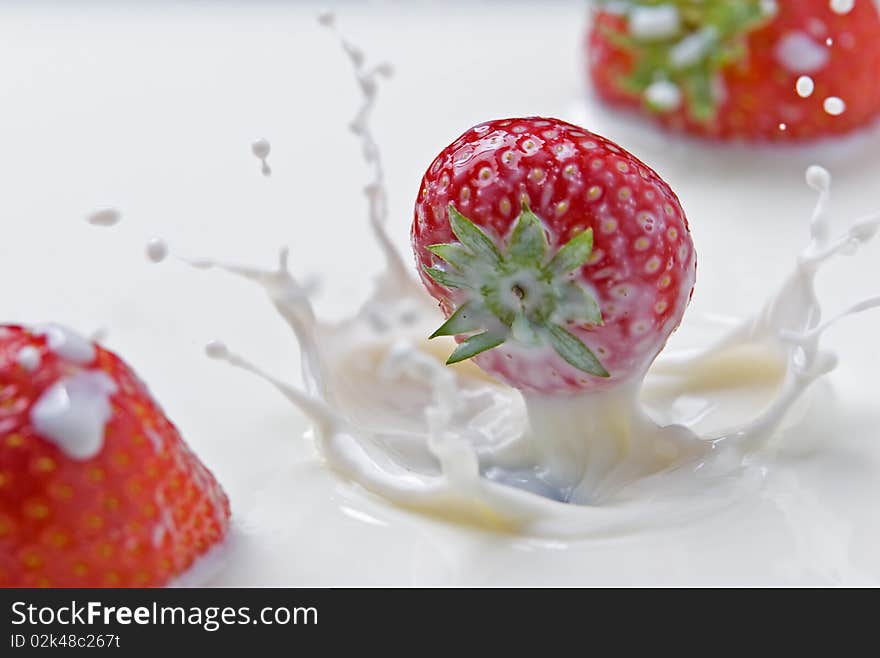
[(680, 47), (517, 292)]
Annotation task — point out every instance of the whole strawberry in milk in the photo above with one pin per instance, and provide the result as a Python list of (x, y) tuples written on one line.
[(562, 262), (741, 69)]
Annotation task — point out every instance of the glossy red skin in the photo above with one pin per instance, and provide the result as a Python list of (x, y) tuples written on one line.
[(91, 523), (572, 161), (760, 92)]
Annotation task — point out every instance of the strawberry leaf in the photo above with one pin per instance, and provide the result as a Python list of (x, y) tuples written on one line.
[(698, 85), (446, 279), (472, 237), (454, 254), (572, 350), (573, 254), (577, 304), (528, 242), (475, 345), (465, 320)]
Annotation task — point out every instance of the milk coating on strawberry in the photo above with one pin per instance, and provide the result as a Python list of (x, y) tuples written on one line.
[(740, 69), (97, 487), (562, 262)]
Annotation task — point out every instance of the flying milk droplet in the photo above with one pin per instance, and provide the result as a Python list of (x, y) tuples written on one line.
[(216, 349), (805, 86), (157, 250), (107, 216), (834, 106), (818, 178), (327, 18), (260, 148)]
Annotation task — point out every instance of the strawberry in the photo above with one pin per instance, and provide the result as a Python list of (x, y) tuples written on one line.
[(740, 69), (97, 488), (562, 262)]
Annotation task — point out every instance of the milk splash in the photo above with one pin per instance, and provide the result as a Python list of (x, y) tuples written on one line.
[(451, 442)]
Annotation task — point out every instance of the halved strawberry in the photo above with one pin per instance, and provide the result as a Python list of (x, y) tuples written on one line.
[(97, 488), (731, 68), (562, 262)]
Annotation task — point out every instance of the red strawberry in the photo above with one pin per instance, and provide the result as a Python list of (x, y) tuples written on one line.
[(97, 488), (729, 69), (566, 260)]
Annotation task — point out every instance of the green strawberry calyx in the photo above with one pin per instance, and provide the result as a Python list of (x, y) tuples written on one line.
[(680, 47), (517, 293)]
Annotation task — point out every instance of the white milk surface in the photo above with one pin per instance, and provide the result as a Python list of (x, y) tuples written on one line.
[(155, 110)]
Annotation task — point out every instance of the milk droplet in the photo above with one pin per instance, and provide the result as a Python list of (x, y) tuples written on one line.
[(216, 349), (107, 216), (805, 86), (327, 18), (818, 178), (783, 127), (66, 343), (663, 95), (260, 148), (834, 106), (842, 6), (654, 22), (157, 250), (28, 358), (385, 69), (73, 412), (769, 7), (798, 53)]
